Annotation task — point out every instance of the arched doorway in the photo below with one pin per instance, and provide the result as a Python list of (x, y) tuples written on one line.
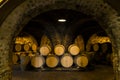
[(20, 16)]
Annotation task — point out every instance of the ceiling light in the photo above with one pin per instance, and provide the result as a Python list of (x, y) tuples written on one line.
[(61, 20)]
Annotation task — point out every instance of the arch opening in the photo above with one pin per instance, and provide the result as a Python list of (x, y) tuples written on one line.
[(102, 16), (79, 25)]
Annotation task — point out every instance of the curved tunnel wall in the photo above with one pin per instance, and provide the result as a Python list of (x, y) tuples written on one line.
[(21, 15)]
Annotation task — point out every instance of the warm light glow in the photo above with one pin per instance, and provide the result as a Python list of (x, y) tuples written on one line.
[(61, 20), (99, 39), (3, 2)]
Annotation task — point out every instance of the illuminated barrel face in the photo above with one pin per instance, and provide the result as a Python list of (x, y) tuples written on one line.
[(59, 50), (73, 49), (18, 47), (26, 47), (52, 61), (37, 61), (45, 50), (66, 61), (81, 60), (15, 58), (34, 47)]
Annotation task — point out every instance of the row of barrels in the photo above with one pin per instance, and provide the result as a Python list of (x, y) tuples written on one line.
[(52, 61), (44, 50), (103, 47), (59, 50), (74, 50), (24, 47)]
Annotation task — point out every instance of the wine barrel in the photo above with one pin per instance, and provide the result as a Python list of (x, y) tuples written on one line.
[(66, 60), (15, 59), (96, 47), (59, 50), (73, 49), (80, 42), (24, 60), (34, 47), (45, 50), (52, 61), (37, 61), (18, 47), (26, 47), (81, 60)]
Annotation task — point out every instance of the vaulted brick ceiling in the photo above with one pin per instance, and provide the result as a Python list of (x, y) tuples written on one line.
[(77, 23)]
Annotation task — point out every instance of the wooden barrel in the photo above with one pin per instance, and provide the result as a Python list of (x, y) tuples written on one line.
[(34, 47), (37, 61), (45, 50), (52, 61), (95, 47), (24, 60), (81, 60), (15, 59), (73, 49), (80, 42), (18, 47), (45, 40), (66, 60), (59, 50), (26, 47)]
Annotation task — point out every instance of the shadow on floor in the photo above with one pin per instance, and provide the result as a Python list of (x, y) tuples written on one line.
[(99, 73)]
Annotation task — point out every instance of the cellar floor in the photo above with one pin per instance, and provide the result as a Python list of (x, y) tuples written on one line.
[(99, 73)]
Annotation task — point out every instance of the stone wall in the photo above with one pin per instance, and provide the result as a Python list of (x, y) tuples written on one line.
[(16, 20)]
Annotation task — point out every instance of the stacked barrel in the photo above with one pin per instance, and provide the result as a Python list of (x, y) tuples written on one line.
[(59, 58), (37, 61), (103, 53), (48, 56), (23, 48), (80, 58)]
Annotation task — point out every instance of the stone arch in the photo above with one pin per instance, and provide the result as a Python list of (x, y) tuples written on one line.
[(14, 22)]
